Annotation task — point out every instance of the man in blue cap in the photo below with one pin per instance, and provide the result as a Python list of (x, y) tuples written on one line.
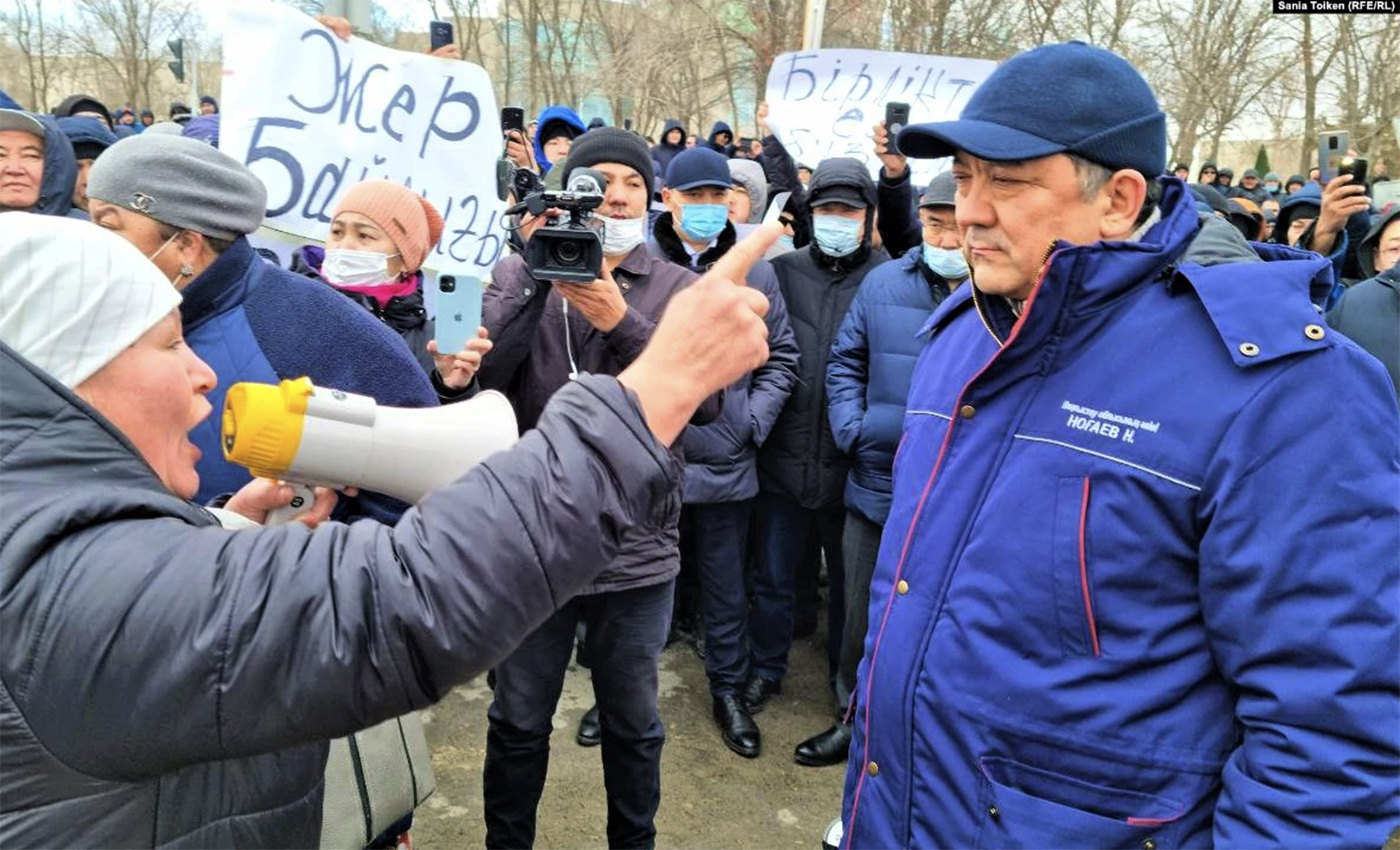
[(721, 472), (1132, 591)]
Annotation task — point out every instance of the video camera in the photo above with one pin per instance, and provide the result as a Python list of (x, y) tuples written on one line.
[(567, 247)]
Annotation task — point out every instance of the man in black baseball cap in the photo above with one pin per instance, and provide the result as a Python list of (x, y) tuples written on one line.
[(802, 472), (1105, 613)]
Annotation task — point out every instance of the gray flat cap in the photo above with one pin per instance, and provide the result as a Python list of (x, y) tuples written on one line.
[(941, 191), (181, 182)]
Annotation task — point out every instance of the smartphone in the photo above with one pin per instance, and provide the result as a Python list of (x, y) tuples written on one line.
[(896, 117), (458, 312), (512, 118), (439, 34), (1332, 146), (627, 123), (1355, 166)]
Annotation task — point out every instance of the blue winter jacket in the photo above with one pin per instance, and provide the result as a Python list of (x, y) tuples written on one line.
[(252, 321), (549, 115), (60, 170), (1133, 590), (867, 377)]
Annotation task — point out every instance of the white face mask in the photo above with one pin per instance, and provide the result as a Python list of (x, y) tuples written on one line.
[(621, 235), (344, 267)]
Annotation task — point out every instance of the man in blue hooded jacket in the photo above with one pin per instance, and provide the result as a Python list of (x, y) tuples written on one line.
[(1132, 591), (37, 166)]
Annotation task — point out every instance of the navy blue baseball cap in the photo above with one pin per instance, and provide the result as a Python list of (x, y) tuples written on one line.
[(1058, 98), (697, 167)]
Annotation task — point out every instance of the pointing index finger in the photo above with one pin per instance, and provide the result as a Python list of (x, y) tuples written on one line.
[(735, 264)]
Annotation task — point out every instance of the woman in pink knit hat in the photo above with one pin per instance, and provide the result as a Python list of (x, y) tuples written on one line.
[(381, 232)]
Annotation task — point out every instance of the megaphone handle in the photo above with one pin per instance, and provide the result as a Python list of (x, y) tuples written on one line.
[(301, 502)]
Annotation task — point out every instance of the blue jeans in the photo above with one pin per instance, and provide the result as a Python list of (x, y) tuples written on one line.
[(714, 540), (626, 631), (788, 533)]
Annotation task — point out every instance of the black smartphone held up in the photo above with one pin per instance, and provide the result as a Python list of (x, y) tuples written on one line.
[(1355, 166), (512, 118), (439, 34), (896, 118), (1332, 147), (627, 123)]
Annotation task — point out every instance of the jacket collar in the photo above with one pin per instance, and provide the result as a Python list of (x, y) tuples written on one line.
[(221, 287)]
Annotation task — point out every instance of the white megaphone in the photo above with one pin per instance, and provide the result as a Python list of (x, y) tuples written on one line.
[(309, 436)]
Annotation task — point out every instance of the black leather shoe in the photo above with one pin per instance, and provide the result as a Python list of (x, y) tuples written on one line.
[(758, 691), (826, 749), (736, 727), (590, 734)]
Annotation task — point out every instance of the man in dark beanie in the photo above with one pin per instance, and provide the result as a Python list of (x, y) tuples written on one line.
[(801, 471), (1133, 590), (208, 106), (547, 333), (179, 112)]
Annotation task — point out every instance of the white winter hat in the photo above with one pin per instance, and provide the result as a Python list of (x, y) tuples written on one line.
[(74, 295)]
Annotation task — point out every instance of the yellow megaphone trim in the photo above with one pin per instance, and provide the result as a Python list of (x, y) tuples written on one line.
[(262, 425)]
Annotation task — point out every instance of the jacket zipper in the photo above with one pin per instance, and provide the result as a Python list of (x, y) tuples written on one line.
[(1039, 278), (1084, 570)]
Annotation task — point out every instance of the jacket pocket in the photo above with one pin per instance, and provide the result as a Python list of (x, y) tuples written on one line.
[(1024, 806), (1073, 569)]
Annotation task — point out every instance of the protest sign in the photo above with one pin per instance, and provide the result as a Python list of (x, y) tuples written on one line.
[(824, 103), (312, 115)]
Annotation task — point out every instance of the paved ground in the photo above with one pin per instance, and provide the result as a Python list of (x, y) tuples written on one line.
[(710, 797)]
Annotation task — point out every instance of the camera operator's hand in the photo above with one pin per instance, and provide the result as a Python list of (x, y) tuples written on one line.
[(530, 223), (518, 151), (1340, 200), (895, 163), (457, 370), (600, 302), (711, 334)]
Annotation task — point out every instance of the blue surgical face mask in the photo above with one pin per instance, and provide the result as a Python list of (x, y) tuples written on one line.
[(703, 222), (947, 263), (785, 242), (836, 236)]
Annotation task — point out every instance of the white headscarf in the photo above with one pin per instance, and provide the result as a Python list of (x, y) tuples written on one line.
[(73, 295)]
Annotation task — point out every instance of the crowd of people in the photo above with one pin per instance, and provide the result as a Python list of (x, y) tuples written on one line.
[(1099, 467)]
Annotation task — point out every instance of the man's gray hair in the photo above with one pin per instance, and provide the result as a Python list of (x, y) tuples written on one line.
[(1093, 177)]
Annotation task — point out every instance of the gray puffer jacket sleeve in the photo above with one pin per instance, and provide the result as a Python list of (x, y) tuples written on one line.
[(151, 643)]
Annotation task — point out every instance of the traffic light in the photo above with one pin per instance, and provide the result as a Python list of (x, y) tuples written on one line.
[(177, 48)]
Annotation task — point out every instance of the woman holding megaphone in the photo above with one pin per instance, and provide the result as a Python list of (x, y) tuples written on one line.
[(166, 681)]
